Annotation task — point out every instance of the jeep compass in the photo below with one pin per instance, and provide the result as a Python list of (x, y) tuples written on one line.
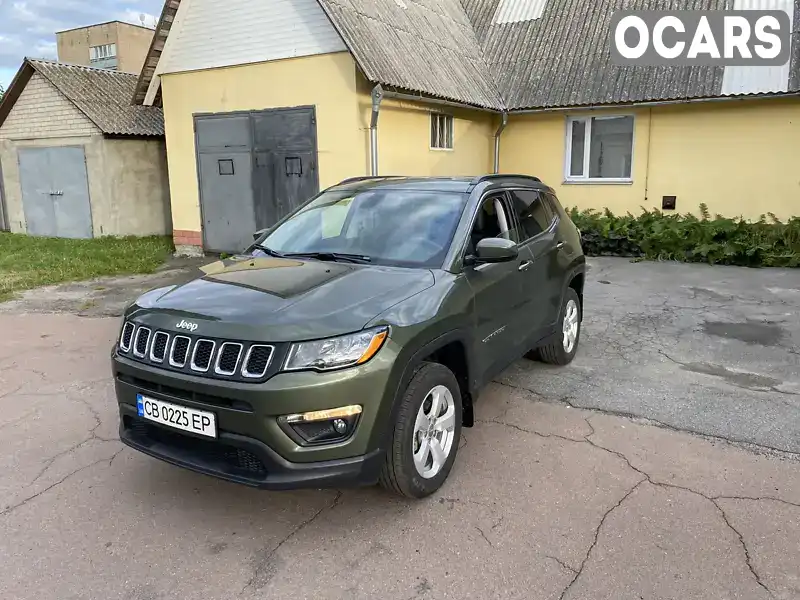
[(347, 345)]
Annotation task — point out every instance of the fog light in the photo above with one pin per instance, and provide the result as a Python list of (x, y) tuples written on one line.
[(323, 426)]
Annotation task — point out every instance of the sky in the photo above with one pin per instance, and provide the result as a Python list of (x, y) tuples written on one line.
[(28, 27)]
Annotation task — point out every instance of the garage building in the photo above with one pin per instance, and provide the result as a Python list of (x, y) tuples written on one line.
[(77, 160)]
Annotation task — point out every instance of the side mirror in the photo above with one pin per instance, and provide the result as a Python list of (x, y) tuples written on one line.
[(496, 250), (259, 233)]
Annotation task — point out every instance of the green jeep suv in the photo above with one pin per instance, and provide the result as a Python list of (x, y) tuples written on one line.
[(347, 345)]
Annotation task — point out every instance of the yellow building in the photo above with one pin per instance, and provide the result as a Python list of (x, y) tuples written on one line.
[(266, 103)]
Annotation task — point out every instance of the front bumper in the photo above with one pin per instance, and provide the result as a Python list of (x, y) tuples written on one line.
[(252, 448), (243, 460)]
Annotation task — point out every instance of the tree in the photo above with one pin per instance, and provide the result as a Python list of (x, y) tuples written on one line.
[(2, 91)]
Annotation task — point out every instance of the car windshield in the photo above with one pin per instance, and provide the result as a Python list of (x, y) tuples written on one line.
[(389, 226)]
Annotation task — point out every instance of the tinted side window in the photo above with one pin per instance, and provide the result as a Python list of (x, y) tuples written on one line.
[(553, 203), (492, 221), (534, 217)]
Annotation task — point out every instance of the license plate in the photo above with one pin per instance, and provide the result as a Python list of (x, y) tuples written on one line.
[(179, 417)]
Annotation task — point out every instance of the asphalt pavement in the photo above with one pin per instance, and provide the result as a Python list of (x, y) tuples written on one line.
[(663, 463)]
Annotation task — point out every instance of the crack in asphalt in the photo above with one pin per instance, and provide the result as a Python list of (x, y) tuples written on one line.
[(562, 563), (9, 509), (713, 501), (747, 558), (735, 442), (483, 535), (261, 569), (592, 546), (646, 477), (91, 437), (18, 419)]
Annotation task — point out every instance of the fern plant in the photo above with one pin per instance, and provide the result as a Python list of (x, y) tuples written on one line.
[(653, 235)]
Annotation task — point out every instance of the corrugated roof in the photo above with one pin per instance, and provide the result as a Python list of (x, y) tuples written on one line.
[(518, 54), (563, 58), (425, 46), (104, 96)]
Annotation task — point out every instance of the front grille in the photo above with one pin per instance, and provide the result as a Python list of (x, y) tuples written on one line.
[(231, 360), (158, 350), (228, 358), (257, 361), (211, 454), (180, 351), (201, 357), (127, 337), (140, 344)]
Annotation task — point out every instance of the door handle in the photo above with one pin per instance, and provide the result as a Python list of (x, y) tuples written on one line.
[(560, 245), (525, 265)]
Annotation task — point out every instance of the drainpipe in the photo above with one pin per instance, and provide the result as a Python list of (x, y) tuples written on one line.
[(377, 97), (497, 135)]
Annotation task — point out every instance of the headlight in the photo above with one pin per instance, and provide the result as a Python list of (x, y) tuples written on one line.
[(338, 352)]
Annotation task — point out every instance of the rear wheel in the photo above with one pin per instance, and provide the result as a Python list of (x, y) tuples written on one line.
[(561, 348), (426, 434)]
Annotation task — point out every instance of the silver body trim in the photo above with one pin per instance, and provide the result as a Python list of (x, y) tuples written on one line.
[(193, 364), (172, 361), (139, 332), (217, 369), (153, 345), (249, 374)]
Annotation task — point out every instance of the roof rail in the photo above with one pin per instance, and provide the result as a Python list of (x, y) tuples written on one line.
[(368, 178), (481, 178)]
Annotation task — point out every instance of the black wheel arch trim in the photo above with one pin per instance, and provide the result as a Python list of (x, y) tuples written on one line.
[(577, 268), (405, 373)]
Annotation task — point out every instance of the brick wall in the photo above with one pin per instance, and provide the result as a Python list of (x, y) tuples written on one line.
[(182, 237), (42, 111)]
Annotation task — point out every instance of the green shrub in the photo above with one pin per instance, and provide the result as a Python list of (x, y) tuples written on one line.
[(719, 240)]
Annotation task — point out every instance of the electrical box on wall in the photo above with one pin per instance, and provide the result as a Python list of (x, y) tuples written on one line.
[(669, 202)]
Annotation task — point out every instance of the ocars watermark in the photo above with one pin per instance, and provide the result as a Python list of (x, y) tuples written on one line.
[(718, 38)]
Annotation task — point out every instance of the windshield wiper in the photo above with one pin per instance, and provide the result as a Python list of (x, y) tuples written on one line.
[(269, 251), (330, 256)]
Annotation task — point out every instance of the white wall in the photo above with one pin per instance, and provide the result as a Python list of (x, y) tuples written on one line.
[(209, 33)]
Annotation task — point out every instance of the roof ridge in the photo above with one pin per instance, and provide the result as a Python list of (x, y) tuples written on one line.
[(59, 63)]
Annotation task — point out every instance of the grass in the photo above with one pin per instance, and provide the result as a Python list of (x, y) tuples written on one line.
[(27, 262)]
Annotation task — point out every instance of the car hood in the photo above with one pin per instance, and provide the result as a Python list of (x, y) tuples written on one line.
[(281, 299)]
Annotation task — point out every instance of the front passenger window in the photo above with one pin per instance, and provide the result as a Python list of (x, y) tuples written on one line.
[(492, 221), (533, 215)]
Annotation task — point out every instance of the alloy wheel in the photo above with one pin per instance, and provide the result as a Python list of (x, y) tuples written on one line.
[(570, 326), (434, 431)]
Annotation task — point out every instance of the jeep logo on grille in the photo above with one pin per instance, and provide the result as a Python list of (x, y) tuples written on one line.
[(187, 325)]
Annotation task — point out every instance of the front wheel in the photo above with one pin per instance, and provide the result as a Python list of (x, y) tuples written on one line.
[(562, 347), (426, 434)]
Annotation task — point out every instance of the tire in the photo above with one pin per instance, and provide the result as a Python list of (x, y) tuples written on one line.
[(400, 473), (555, 351)]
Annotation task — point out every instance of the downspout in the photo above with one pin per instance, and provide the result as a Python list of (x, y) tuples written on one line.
[(503, 123), (377, 97)]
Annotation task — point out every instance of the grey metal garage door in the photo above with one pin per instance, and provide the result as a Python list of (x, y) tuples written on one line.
[(55, 191), (254, 168)]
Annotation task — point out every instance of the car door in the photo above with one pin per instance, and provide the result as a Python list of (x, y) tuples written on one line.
[(497, 290), (542, 278)]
